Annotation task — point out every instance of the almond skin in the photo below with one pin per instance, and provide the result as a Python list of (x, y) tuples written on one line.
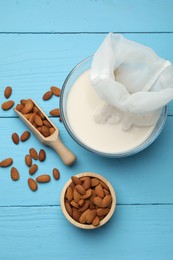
[(15, 138), (96, 221), (102, 212), (32, 184), (76, 196), (68, 208), (106, 201), (19, 107), (33, 169), (82, 218), (7, 92), (56, 91), (45, 131), (7, 105), (47, 95), (56, 174), (87, 194), (52, 130), (69, 194), (33, 153), (94, 182), (87, 183), (76, 215), (55, 112), (14, 174), (38, 120), (6, 162), (47, 123), (27, 107), (44, 178), (25, 136), (42, 155), (99, 191), (85, 206), (80, 189), (28, 160), (76, 180), (98, 201), (90, 216)]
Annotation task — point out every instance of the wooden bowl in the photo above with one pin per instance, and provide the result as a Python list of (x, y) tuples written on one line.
[(105, 219)]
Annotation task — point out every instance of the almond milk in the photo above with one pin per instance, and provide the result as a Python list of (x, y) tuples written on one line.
[(82, 101)]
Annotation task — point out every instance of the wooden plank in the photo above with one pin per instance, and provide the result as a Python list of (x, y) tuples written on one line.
[(134, 232), (32, 63), (137, 179), (86, 16)]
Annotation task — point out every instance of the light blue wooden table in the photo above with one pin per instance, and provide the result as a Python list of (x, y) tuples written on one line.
[(40, 42)]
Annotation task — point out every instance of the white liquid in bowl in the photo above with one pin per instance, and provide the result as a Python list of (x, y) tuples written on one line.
[(82, 102)]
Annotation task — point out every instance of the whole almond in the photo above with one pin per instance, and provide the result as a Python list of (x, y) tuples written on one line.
[(27, 107), (47, 95), (74, 204), (76, 180), (68, 208), (28, 160), (102, 212), (55, 112), (98, 201), (85, 206), (15, 138), (28, 116), (76, 215), (81, 203), (99, 191), (87, 183), (56, 174), (7, 92), (32, 184), (14, 174), (106, 201), (82, 218), (33, 169), (42, 155), (87, 194), (19, 107), (7, 105), (35, 110), (41, 115), (106, 192), (38, 120), (43, 178), (56, 91), (47, 123), (52, 130), (94, 182), (33, 153), (90, 216), (104, 185), (6, 162), (96, 221), (32, 118), (76, 196), (69, 194), (45, 131), (80, 189), (25, 136), (23, 101)]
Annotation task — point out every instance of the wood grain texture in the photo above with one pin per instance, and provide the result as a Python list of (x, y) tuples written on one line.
[(86, 16), (137, 179), (134, 232)]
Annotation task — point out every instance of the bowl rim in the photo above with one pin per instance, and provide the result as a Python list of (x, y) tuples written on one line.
[(105, 219), (130, 152)]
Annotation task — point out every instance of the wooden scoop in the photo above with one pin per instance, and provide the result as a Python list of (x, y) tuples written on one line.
[(53, 140)]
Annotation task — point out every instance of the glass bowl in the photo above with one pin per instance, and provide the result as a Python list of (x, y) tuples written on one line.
[(68, 83)]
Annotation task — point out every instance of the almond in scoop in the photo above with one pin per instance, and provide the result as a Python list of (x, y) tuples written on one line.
[(53, 140)]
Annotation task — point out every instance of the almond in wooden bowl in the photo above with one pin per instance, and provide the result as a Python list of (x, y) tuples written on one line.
[(88, 200)]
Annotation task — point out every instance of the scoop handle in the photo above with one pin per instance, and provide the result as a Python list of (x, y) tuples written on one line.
[(65, 154)]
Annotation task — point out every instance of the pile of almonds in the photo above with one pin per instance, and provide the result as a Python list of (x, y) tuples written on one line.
[(32, 113), (87, 200)]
